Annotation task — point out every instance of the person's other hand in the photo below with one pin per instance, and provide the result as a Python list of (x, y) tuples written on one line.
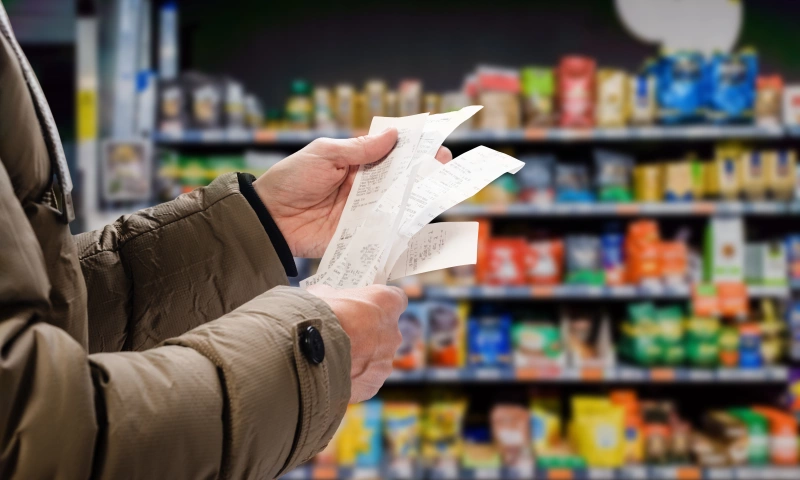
[(369, 316), (305, 193)]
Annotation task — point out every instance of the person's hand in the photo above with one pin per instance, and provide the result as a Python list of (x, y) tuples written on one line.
[(369, 317), (305, 193)]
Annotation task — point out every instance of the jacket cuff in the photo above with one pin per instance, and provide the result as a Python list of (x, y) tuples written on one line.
[(281, 408), (276, 237)]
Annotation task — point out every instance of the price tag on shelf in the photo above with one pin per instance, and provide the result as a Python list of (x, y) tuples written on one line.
[(265, 136), (488, 373), (631, 374), (543, 291), (633, 473), (560, 474), (699, 375), (362, 473), (720, 473), (444, 373), (662, 374), (601, 474), (534, 133), (593, 374), (486, 473), (324, 472)]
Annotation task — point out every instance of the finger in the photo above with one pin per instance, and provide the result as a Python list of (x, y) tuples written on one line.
[(359, 150), (444, 155)]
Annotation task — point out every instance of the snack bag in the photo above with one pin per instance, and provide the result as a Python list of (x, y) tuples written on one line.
[(545, 424), (732, 87), (536, 180), (576, 90), (375, 91), (613, 176), (538, 90), (413, 326), (402, 429), (446, 342), (727, 173), (612, 245), (584, 265), (674, 262), (642, 95), (678, 181), (511, 434), (754, 175), (781, 166), (680, 88), (634, 441), (545, 262), (506, 261), (360, 442), (441, 431), (536, 344), (769, 90), (610, 110), (572, 183), (647, 184), (489, 341), (597, 430)]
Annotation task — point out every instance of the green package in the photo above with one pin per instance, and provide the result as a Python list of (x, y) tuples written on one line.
[(643, 312), (670, 323), (644, 350), (702, 353), (219, 165), (193, 172), (757, 435), (536, 340), (702, 328)]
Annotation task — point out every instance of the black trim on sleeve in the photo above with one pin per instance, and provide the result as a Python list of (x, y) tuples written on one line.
[(276, 237)]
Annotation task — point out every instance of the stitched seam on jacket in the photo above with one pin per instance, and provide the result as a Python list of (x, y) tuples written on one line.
[(122, 242)]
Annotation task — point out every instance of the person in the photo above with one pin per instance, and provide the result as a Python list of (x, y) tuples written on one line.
[(166, 345)]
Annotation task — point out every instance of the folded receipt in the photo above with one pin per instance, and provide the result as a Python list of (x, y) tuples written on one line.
[(384, 232)]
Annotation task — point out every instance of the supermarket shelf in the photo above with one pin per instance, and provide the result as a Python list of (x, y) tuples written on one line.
[(625, 473), (291, 137), (624, 209), (624, 292), (619, 374)]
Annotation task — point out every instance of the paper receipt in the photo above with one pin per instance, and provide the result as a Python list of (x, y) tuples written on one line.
[(384, 232)]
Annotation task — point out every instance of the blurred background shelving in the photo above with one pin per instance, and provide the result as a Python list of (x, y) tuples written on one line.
[(565, 324)]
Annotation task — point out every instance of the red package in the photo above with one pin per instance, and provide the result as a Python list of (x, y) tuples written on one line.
[(576, 91), (484, 237), (545, 262), (506, 261)]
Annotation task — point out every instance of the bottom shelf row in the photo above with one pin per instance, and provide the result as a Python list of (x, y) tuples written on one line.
[(625, 473)]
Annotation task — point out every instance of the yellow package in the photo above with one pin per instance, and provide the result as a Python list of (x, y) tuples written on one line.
[(545, 424), (677, 181), (353, 436), (726, 175), (441, 433), (402, 430), (611, 109), (754, 175), (598, 431), (780, 166), (647, 185), (361, 118)]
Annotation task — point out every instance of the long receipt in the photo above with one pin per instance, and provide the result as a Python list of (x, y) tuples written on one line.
[(384, 232)]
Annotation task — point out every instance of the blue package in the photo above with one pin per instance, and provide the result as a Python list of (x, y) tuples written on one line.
[(731, 87), (680, 91), (611, 248), (371, 427), (489, 341), (572, 184)]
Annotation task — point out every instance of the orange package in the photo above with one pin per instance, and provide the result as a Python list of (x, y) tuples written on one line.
[(642, 252), (484, 237), (782, 436), (673, 260), (545, 262), (506, 261), (705, 302), (732, 298)]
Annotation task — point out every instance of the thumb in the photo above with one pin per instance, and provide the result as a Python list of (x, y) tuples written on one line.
[(363, 150)]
